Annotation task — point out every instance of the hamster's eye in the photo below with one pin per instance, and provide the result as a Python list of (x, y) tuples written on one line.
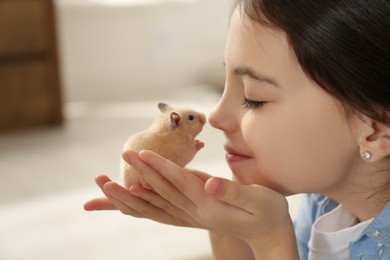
[(191, 117)]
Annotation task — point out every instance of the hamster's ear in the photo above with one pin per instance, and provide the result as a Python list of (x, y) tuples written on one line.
[(175, 119), (164, 107), (375, 138)]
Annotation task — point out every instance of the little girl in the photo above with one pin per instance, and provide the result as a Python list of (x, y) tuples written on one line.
[(306, 109)]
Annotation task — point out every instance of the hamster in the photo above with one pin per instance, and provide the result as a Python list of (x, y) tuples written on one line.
[(172, 135)]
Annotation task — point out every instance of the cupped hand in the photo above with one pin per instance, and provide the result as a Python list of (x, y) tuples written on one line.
[(191, 198), (151, 205)]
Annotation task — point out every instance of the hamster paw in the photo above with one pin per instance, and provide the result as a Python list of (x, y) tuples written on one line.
[(198, 145)]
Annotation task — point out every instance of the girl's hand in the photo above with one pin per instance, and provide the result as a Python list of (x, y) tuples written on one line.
[(254, 213), (120, 198)]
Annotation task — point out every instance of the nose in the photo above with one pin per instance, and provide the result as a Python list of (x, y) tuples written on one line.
[(202, 119), (222, 116)]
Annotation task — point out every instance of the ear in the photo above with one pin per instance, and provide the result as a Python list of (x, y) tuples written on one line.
[(175, 119), (375, 138), (164, 107)]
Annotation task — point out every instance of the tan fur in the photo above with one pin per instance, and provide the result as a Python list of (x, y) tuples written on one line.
[(172, 135)]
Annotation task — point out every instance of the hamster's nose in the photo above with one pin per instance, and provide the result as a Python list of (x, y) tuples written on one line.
[(202, 119)]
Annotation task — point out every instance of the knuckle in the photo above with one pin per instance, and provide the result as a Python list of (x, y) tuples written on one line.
[(166, 207), (181, 184), (234, 193)]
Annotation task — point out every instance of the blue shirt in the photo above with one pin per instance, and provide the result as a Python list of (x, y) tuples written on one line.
[(373, 243)]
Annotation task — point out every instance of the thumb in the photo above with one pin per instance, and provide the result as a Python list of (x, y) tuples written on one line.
[(250, 198), (201, 175), (229, 192)]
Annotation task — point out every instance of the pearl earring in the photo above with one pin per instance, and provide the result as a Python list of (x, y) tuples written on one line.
[(367, 155)]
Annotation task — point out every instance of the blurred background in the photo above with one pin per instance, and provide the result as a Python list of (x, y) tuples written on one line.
[(77, 78)]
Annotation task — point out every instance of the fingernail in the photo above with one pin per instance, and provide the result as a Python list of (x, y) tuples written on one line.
[(215, 186), (109, 188), (127, 158), (134, 191)]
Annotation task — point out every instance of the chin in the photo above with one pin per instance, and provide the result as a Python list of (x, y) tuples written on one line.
[(244, 177)]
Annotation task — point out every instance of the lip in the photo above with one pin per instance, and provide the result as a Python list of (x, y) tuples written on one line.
[(233, 156)]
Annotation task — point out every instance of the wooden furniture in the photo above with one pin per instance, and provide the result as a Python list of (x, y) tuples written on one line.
[(29, 73)]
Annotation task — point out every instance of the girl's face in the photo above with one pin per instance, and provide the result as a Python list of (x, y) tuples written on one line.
[(280, 129)]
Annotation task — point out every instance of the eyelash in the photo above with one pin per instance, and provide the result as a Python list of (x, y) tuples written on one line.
[(250, 104)]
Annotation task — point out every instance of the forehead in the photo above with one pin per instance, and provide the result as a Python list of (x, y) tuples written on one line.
[(261, 47), (185, 111)]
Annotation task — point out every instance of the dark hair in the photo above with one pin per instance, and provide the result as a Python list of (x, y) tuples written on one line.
[(343, 45)]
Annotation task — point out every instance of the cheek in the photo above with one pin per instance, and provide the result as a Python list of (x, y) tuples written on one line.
[(299, 152)]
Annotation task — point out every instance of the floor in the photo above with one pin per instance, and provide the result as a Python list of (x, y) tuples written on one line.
[(47, 175)]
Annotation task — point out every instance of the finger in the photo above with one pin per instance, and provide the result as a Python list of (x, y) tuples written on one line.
[(115, 194), (234, 194), (201, 175), (135, 206), (158, 201), (101, 180), (162, 185), (187, 183), (99, 204)]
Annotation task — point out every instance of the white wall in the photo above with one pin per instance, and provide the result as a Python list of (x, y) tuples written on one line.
[(127, 51)]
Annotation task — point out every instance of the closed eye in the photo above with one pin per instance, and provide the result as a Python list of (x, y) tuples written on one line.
[(250, 104)]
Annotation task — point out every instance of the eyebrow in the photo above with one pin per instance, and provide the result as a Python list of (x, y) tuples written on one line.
[(249, 72)]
